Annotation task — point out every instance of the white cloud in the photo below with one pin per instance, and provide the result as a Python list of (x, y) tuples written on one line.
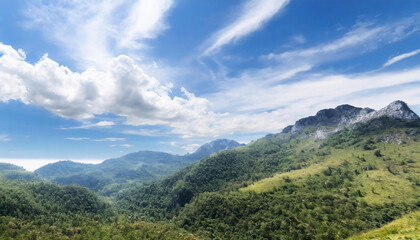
[(92, 125), (190, 148), (281, 104), (401, 57), (299, 39), (253, 15), (109, 139), (265, 104), (363, 37), (144, 21), (77, 138), (144, 132), (92, 32), (123, 89), (126, 145), (4, 138)]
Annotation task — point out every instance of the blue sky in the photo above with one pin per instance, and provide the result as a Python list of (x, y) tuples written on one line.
[(90, 80)]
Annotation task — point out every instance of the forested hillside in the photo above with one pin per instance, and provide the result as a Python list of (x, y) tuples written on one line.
[(294, 185), (343, 173), (112, 175)]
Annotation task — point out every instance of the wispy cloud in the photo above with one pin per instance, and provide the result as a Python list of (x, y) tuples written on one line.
[(363, 37), (4, 138), (401, 57), (77, 138), (92, 125), (253, 15), (93, 32), (145, 21), (144, 132), (109, 139), (283, 103), (126, 145)]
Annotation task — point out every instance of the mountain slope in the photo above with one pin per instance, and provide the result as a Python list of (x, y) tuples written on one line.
[(130, 170), (360, 175), (12, 172), (49, 211), (407, 227)]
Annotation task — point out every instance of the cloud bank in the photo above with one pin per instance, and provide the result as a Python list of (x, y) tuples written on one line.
[(123, 89)]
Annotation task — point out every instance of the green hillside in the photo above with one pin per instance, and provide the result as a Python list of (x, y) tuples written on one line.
[(12, 172), (112, 175), (49, 211), (407, 227), (292, 186), (318, 179)]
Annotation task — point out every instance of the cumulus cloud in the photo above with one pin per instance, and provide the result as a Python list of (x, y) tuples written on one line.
[(123, 89), (401, 57), (253, 15)]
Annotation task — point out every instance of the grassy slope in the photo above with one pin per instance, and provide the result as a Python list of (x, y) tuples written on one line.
[(407, 227), (388, 181), (343, 180)]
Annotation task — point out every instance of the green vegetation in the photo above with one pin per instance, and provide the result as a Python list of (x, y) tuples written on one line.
[(292, 186), (131, 170), (11, 172), (284, 186), (407, 227), (50, 211)]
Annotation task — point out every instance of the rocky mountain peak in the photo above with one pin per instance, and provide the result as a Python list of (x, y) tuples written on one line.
[(397, 109), (347, 115), (338, 116)]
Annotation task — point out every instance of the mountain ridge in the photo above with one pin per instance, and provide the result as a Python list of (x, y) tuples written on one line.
[(348, 116), (133, 168), (295, 185)]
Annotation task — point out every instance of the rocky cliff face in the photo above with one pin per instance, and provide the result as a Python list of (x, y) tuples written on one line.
[(331, 120), (397, 109)]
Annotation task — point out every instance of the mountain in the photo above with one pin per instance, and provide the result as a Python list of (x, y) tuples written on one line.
[(112, 175), (12, 172), (41, 210), (328, 176), (213, 147), (328, 121)]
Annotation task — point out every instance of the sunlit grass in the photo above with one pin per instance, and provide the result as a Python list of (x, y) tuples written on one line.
[(407, 227)]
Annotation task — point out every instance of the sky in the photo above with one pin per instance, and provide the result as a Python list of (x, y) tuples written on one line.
[(91, 80)]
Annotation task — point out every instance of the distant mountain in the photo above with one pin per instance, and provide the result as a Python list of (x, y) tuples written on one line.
[(12, 172), (328, 176), (132, 169), (213, 147)]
